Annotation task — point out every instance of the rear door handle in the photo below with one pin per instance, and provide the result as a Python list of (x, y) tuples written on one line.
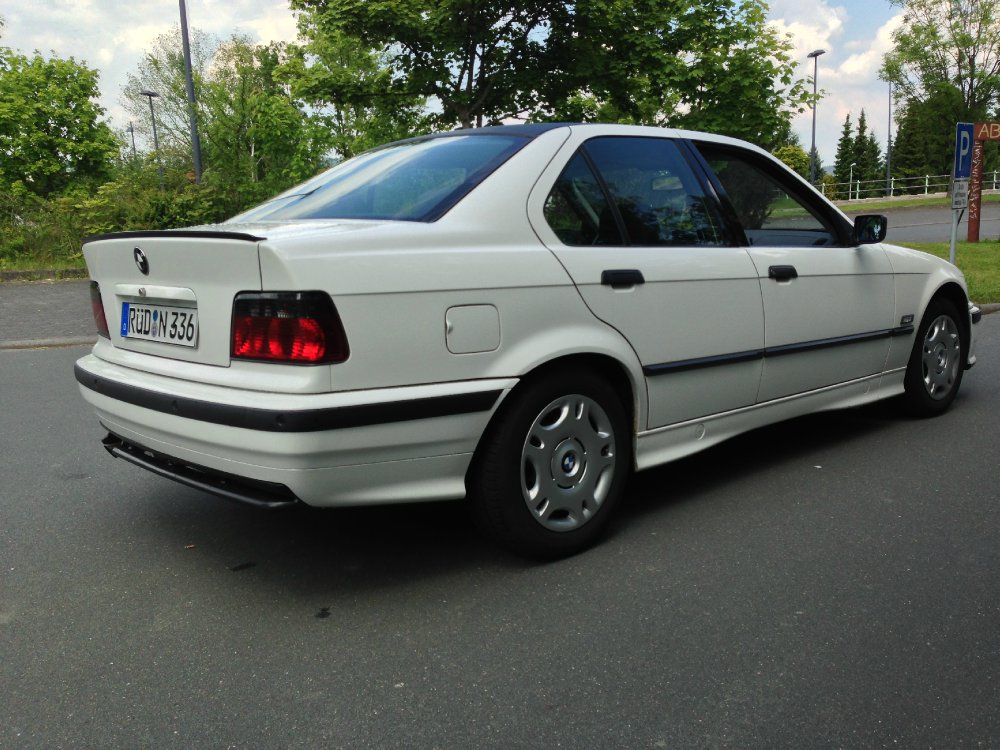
[(620, 278), (782, 273)]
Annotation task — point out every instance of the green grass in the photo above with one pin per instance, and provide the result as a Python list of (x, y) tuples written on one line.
[(31, 263), (870, 206), (979, 261)]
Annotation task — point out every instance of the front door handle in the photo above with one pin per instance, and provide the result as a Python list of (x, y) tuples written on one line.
[(782, 273), (621, 278)]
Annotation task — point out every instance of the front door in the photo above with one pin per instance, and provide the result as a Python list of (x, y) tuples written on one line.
[(828, 302)]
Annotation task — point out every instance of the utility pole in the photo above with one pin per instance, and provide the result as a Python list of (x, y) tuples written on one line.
[(195, 142), (812, 152)]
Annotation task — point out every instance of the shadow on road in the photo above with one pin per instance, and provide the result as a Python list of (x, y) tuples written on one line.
[(340, 552)]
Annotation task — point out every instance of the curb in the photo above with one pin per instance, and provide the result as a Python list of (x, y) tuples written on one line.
[(49, 343), (44, 275), (990, 307)]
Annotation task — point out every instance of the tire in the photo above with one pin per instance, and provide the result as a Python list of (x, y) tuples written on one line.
[(553, 465), (937, 362)]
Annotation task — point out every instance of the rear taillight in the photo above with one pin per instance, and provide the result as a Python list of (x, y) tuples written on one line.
[(291, 327), (97, 306)]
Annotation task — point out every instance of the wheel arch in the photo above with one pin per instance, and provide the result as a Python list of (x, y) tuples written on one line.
[(614, 371), (953, 293)]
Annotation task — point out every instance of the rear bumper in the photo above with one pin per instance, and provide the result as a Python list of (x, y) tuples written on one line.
[(379, 446)]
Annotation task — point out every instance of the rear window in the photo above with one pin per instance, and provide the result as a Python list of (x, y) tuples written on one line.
[(410, 181)]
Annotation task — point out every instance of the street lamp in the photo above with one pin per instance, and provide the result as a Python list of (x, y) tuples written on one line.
[(850, 180), (156, 142), (812, 152), (131, 131)]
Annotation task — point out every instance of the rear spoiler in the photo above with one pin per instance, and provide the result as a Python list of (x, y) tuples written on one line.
[(199, 233)]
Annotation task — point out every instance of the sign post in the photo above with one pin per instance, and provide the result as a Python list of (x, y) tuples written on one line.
[(964, 146)]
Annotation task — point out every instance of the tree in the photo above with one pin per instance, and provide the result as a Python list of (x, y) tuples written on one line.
[(711, 64), (867, 153), (845, 152), (715, 66), (51, 135), (349, 85), (257, 139), (795, 158), (952, 43)]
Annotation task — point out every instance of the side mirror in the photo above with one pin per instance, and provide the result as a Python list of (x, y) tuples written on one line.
[(870, 228)]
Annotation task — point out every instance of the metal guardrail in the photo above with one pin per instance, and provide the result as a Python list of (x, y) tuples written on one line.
[(899, 186)]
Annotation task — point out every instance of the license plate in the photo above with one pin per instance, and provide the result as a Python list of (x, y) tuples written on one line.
[(163, 323)]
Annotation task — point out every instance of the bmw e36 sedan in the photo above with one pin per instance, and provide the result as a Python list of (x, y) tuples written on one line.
[(517, 315)]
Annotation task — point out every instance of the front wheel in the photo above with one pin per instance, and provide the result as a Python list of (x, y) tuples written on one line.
[(553, 465), (937, 362)]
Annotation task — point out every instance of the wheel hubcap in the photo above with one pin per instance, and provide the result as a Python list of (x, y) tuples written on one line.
[(941, 357), (568, 463)]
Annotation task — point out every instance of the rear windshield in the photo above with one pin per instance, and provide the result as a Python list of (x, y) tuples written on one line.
[(411, 181)]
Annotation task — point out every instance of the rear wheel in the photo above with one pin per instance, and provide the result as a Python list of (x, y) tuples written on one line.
[(937, 362), (553, 466)]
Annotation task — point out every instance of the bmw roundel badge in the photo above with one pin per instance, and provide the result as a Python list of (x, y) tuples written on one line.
[(140, 261)]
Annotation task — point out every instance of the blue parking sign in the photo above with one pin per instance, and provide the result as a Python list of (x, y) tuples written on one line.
[(963, 150)]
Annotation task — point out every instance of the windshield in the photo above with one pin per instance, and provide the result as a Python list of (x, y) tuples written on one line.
[(410, 181)]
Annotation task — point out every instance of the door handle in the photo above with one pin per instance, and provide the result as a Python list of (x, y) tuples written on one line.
[(622, 278), (782, 273)]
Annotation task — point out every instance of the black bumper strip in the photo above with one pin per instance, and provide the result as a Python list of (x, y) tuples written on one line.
[(308, 420), (977, 315), (773, 351)]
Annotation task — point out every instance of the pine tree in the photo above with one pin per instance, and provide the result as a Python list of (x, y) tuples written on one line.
[(845, 155)]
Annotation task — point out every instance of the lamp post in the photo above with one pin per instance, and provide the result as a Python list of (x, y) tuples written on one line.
[(189, 83), (850, 180), (812, 151), (156, 141), (131, 131)]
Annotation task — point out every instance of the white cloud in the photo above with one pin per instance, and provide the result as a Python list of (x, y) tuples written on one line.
[(848, 71)]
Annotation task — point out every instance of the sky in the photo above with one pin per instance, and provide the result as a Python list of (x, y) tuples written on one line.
[(111, 36)]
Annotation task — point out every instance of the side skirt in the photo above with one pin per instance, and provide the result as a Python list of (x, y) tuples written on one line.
[(665, 444)]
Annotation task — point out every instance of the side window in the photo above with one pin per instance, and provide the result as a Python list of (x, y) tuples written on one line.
[(655, 198), (658, 197), (770, 213), (578, 210)]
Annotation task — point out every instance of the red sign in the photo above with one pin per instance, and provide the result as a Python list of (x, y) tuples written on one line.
[(987, 131)]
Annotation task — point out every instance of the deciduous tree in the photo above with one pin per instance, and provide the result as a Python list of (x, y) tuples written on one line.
[(51, 132)]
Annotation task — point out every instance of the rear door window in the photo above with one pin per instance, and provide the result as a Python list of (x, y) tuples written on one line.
[(632, 190)]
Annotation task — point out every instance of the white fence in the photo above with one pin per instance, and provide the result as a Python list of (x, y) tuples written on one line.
[(926, 185)]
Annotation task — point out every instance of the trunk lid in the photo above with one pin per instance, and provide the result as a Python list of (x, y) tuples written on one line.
[(170, 293)]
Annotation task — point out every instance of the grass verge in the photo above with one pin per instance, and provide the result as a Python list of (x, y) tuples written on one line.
[(979, 261), (874, 206)]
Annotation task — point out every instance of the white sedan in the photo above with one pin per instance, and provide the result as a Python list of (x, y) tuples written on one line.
[(519, 315)]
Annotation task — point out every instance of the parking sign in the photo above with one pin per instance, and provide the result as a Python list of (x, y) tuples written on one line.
[(963, 150)]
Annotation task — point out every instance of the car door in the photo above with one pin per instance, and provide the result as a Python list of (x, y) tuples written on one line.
[(828, 302), (650, 254)]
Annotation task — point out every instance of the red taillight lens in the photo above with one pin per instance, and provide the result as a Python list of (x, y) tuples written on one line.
[(97, 306), (292, 327)]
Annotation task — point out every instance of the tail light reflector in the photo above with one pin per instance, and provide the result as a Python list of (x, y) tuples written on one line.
[(290, 327), (97, 306)]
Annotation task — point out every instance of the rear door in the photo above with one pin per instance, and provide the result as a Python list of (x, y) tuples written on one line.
[(828, 302), (649, 253)]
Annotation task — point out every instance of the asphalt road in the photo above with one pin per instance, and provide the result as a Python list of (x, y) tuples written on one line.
[(829, 582), (932, 224)]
